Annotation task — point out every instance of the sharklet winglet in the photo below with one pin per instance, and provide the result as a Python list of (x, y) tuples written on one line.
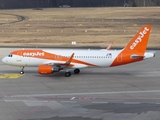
[(69, 60)]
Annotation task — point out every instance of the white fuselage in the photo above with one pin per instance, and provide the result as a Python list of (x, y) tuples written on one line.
[(98, 58)]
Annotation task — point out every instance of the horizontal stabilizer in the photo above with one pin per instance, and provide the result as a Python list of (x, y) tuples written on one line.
[(136, 56)]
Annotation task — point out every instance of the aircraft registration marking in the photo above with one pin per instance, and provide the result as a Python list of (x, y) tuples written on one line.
[(11, 76)]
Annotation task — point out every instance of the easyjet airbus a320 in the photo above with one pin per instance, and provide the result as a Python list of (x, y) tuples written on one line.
[(49, 61)]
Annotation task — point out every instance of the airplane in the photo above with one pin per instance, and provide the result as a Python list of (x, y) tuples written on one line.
[(49, 61)]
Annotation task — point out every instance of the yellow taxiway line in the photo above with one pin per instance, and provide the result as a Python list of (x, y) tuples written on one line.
[(11, 76)]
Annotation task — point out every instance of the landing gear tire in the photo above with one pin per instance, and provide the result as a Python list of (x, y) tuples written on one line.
[(21, 72), (67, 74), (76, 71)]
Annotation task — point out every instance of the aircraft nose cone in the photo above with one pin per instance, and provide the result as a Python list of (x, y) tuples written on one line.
[(4, 60)]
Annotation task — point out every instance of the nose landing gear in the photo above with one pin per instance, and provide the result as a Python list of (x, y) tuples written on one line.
[(22, 70)]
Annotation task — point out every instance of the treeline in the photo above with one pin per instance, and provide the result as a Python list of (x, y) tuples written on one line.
[(144, 2), (10, 4)]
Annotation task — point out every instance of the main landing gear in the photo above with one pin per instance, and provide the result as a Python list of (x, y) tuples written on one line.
[(76, 71), (68, 73), (22, 70)]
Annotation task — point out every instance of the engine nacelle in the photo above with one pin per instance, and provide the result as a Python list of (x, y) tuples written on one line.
[(47, 69)]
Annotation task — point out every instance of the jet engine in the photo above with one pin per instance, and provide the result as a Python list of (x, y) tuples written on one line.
[(47, 69)]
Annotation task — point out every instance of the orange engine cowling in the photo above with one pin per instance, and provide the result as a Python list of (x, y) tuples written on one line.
[(45, 69)]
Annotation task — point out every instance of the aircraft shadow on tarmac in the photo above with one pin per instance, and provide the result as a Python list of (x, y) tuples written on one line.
[(83, 73)]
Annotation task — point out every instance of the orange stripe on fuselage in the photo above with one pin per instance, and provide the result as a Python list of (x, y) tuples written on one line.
[(125, 57), (48, 56)]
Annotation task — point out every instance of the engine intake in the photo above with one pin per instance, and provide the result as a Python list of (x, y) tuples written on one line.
[(47, 69)]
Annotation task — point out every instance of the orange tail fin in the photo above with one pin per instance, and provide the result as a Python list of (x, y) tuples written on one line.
[(135, 49), (140, 40)]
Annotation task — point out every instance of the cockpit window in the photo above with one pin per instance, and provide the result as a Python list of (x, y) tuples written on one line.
[(10, 55)]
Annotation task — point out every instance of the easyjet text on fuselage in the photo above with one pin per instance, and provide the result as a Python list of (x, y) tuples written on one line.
[(32, 54)]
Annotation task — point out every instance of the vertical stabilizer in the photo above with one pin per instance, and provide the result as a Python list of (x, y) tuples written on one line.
[(140, 40), (135, 49)]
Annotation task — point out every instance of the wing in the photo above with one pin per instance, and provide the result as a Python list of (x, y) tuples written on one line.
[(60, 63)]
